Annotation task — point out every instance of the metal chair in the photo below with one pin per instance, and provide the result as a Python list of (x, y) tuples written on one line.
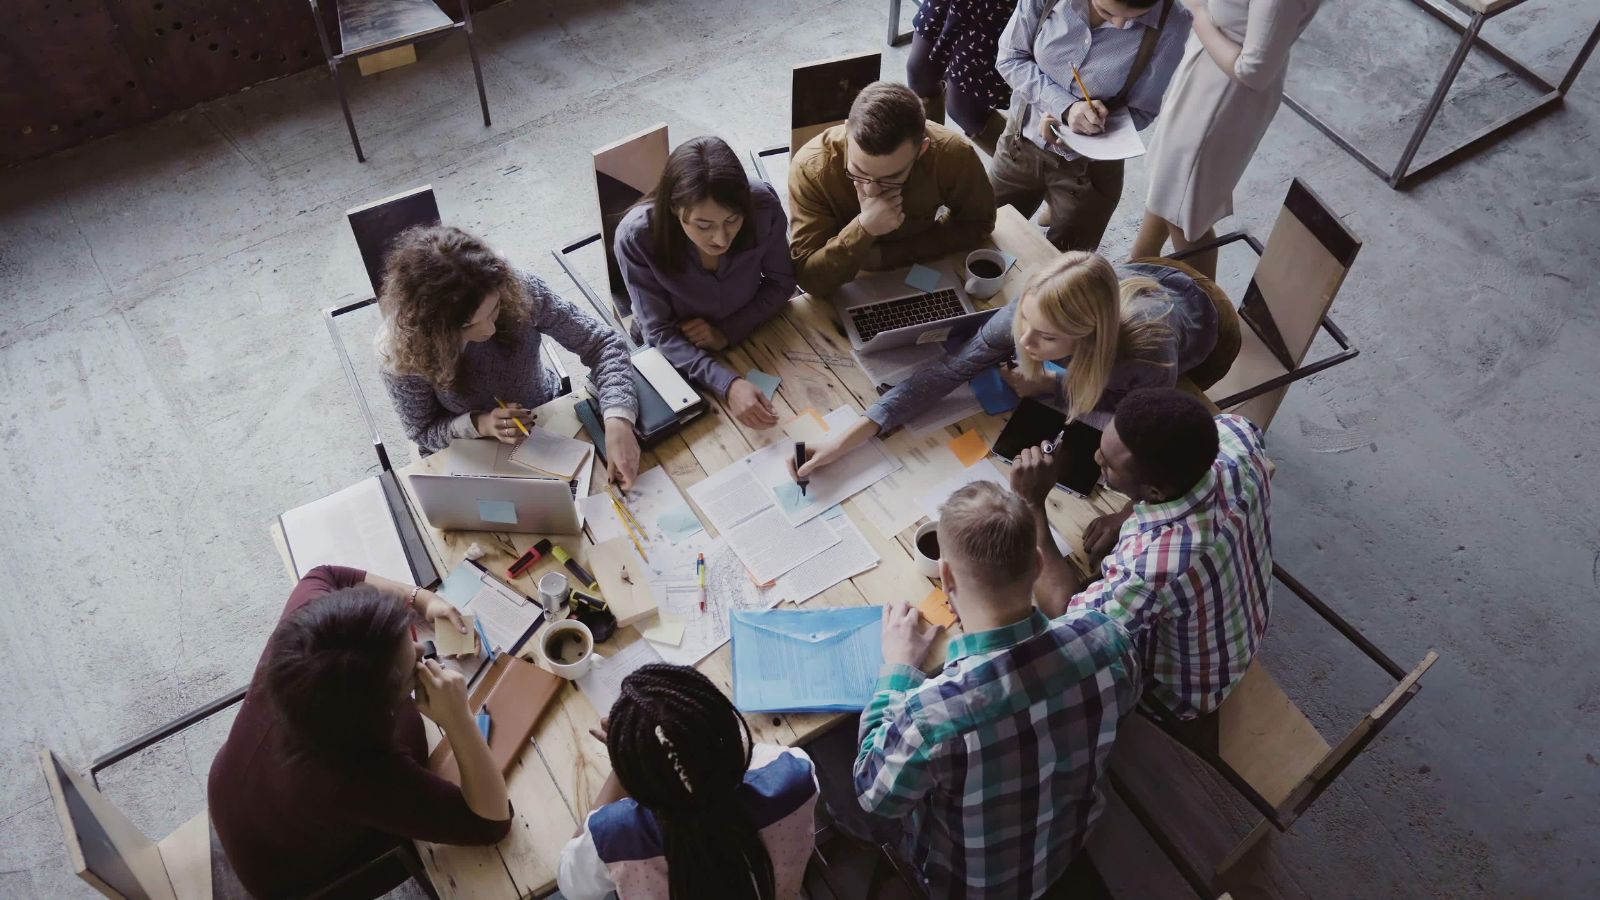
[(367, 27), (820, 95), (1301, 269), (1267, 749), (1479, 12), (116, 858), (896, 37)]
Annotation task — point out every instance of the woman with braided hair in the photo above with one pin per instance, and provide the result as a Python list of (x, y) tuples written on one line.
[(693, 808)]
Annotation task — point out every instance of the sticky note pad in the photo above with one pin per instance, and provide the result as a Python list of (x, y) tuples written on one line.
[(807, 426), (768, 384), (936, 609), (789, 497), (678, 523), (501, 511), (485, 724), (969, 448), (664, 631), (994, 395), (1054, 369), (923, 278), (450, 642)]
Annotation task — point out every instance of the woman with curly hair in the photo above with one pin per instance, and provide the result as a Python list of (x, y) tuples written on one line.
[(463, 329)]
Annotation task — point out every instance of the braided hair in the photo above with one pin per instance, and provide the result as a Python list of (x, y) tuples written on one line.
[(681, 750)]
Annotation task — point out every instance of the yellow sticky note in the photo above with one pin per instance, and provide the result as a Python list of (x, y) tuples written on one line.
[(969, 448), (936, 609), (664, 631), (450, 642), (807, 426)]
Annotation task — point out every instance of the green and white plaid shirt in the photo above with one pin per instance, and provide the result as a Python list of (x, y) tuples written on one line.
[(995, 763)]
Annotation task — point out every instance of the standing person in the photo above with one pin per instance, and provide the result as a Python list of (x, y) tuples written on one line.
[(325, 767), (1190, 574), (1224, 96), (951, 65), (693, 808), (993, 766), (462, 330), (1126, 52), (706, 260), (883, 190)]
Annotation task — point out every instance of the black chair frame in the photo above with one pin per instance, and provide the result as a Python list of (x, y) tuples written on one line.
[(334, 59), (758, 159), (1346, 352), (1280, 818)]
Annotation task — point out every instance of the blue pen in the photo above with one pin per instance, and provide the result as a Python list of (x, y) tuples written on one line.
[(483, 636), (485, 724)]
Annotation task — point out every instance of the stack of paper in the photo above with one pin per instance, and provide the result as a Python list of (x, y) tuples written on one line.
[(545, 451), (846, 559), (745, 514)]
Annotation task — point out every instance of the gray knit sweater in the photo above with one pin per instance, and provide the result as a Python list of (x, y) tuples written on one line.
[(508, 366)]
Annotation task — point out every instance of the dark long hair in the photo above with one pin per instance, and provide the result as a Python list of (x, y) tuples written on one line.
[(681, 750), (331, 674), (700, 169)]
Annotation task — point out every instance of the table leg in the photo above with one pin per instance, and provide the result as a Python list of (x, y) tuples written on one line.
[(1437, 101)]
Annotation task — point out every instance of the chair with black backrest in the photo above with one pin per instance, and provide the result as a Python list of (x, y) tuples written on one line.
[(1265, 748), (1301, 268), (116, 858), (367, 27), (624, 171), (820, 96)]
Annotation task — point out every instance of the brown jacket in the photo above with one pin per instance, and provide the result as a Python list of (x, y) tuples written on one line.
[(829, 246)]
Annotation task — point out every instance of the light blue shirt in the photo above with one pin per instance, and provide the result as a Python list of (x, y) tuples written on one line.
[(1041, 74)]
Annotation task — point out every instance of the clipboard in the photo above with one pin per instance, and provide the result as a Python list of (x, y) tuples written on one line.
[(515, 693), (462, 586)]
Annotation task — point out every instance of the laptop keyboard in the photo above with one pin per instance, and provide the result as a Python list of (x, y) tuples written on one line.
[(871, 319)]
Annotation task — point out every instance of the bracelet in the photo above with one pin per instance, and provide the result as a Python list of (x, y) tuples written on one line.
[(414, 592)]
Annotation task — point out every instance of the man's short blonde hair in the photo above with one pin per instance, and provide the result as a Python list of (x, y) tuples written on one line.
[(990, 532)]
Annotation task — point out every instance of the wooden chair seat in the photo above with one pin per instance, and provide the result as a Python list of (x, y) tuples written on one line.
[(366, 25), (1255, 364), (186, 853), (1265, 737)]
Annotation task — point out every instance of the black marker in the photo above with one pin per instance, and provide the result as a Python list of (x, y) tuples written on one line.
[(800, 460)]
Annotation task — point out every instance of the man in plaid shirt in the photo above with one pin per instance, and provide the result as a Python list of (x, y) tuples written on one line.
[(994, 764), (1191, 568)]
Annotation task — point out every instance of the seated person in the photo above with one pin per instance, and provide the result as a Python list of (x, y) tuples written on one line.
[(325, 767), (706, 260), (1191, 571), (866, 194), (1159, 322), (693, 808), (463, 329), (993, 765)]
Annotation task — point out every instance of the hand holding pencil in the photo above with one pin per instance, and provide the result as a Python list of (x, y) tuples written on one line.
[(509, 423)]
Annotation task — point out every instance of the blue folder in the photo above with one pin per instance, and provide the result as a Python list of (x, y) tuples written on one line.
[(813, 660)]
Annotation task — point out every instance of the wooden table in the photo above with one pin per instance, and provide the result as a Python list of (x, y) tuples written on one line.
[(556, 781)]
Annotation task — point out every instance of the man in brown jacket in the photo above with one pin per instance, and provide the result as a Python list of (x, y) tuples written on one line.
[(885, 189)]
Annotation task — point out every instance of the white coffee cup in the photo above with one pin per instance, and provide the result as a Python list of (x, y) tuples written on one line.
[(927, 565), (553, 591), (560, 638), (979, 287)]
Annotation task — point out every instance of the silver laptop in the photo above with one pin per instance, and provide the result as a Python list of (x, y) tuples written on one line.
[(881, 312), (497, 503)]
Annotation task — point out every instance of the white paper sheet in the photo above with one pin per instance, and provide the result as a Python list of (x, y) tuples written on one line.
[(855, 472), (754, 527), (653, 494), (1119, 140), (947, 410), (602, 684), (890, 506), (677, 591), (846, 559), (350, 527), (986, 470)]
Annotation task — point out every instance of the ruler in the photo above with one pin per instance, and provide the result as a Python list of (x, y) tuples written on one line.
[(797, 356)]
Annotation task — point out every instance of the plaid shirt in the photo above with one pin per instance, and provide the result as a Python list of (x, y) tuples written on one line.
[(1189, 578), (995, 762)]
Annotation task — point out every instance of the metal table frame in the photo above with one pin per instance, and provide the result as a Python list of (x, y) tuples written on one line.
[(1403, 175)]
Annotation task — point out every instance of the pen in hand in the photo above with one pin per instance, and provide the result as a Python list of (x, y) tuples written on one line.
[(800, 460), (1049, 447), (520, 426)]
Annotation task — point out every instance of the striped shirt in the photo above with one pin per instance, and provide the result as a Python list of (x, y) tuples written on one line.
[(1189, 578), (1040, 73), (995, 763)]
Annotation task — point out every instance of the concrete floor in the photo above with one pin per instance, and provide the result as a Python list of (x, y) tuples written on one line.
[(169, 388)]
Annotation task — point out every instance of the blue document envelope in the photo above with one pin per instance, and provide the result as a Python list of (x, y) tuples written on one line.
[(814, 660)]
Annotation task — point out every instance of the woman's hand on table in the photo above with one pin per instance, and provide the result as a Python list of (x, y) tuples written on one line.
[(703, 334), (622, 452), (750, 406), (832, 449), (501, 424)]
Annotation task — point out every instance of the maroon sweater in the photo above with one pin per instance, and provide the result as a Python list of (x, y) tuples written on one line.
[(290, 824)]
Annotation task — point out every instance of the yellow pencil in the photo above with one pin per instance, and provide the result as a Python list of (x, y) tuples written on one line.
[(513, 418), (1079, 79), (622, 513)]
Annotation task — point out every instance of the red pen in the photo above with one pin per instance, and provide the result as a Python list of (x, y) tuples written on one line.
[(700, 570)]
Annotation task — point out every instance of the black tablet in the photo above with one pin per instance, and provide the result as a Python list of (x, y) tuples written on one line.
[(1032, 423)]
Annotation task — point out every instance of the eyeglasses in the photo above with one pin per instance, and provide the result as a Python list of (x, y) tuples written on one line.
[(898, 181)]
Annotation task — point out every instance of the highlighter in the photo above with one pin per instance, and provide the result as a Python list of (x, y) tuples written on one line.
[(578, 572)]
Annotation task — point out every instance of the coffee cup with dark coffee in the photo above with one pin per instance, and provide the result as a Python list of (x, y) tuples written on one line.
[(987, 271), (927, 549)]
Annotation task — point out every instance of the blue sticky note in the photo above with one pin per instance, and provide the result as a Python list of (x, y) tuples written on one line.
[(923, 278), (485, 724), (790, 500), (1054, 369), (833, 512), (768, 384), (994, 395), (502, 511), (462, 584), (678, 523)]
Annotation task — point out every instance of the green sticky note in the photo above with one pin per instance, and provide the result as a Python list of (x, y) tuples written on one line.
[(502, 512), (790, 499), (678, 523), (767, 384), (923, 278)]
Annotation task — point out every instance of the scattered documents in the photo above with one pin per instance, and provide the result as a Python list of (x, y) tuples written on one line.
[(936, 609), (1119, 140), (545, 451), (602, 684), (923, 278), (846, 559), (854, 472), (767, 384), (822, 660), (748, 518), (728, 586), (451, 642), (655, 502), (970, 447), (890, 506)]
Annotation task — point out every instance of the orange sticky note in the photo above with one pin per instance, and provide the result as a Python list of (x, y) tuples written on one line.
[(936, 609), (969, 448), (806, 426)]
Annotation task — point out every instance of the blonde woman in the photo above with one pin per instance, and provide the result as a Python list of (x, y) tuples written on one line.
[(1112, 329), (463, 329)]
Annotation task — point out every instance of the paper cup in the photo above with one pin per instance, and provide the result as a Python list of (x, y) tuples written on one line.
[(568, 648)]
